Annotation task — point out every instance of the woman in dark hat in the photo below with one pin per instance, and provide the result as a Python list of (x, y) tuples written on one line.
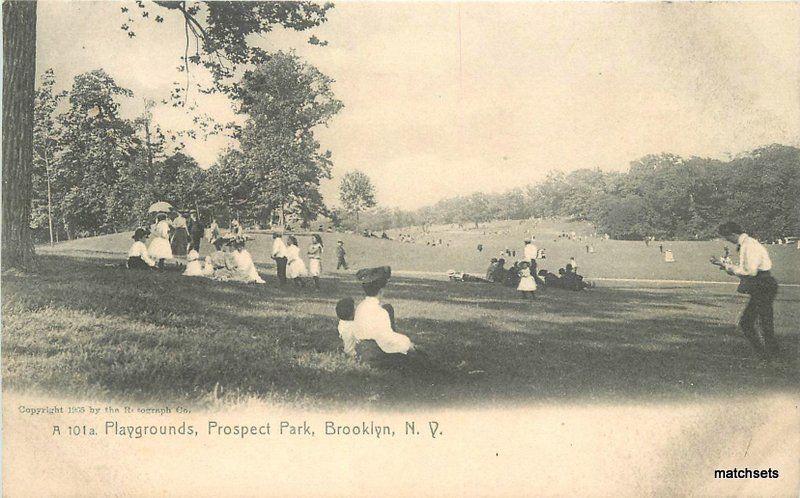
[(373, 322), (138, 258)]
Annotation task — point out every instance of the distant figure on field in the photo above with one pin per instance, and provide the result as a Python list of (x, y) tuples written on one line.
[(668, 256), (341, 262), (491, 270), (530, 252), (196, 230), (314, 252), (279, 256), (574, 264), (527, 285)]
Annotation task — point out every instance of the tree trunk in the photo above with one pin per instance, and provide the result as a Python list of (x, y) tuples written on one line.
[(49, 198), (19, 75)]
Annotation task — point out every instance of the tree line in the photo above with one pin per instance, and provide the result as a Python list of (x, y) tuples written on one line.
[(664, 196), (96, 172), (219, 38)]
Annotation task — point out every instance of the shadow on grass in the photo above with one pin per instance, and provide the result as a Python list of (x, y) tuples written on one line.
[(80, 326)]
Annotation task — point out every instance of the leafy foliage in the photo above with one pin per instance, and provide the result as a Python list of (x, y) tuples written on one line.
[(662, 195), (356, 192)]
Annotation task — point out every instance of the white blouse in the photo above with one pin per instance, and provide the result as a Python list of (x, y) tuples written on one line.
[(373, 323), (139, 250)]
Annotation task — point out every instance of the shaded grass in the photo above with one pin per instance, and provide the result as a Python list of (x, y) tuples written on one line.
[(81, 327)]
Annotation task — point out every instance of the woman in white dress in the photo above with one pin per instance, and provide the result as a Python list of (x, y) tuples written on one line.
[(160, 249), (245, 270), (315, 259), (295, 267), (527, 285)]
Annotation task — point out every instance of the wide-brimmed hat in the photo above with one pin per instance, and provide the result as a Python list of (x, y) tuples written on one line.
[(376, 274)]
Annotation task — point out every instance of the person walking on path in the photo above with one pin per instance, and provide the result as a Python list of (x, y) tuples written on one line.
[(279, 255), (340, 256), (756, 280), (315, 259)]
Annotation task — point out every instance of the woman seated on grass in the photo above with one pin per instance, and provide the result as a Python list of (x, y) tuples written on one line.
[(138, 258), (244, 269), (572, 281), (193, 266), (220, 265), (377, 341)]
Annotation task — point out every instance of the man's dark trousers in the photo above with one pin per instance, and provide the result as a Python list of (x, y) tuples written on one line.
[(762, 289), (281, 262)]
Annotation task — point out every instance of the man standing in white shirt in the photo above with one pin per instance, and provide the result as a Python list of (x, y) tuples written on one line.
[(757, 281), (530, 252), (279, 255)]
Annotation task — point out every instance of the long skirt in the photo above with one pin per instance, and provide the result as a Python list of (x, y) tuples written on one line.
[(314, 267), (159, 249), (180, 242), (297, 268), (137, 263), (526, 284)]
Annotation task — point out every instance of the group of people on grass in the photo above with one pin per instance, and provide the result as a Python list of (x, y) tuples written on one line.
[(368, 331), (525, 275), (175, 239)]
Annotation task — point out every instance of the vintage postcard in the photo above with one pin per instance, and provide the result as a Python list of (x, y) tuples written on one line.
[(400, 248)]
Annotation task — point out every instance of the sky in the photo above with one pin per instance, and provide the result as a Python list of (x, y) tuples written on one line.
[(444, 99)]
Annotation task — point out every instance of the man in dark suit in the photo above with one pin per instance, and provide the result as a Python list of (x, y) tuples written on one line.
[(196, 231)]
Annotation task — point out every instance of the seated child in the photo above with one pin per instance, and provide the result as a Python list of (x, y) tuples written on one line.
[(193, 266), (346, 311), (138, 258)]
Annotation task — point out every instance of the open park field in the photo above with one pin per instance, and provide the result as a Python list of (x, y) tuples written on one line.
[(611, 259), (83, 324)]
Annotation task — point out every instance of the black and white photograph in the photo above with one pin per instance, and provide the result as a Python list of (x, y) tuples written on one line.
[(400, 248)]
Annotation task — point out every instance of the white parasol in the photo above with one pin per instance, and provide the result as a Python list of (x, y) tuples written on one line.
[(160, 207)]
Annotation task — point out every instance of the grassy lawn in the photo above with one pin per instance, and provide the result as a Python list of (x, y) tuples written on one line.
[(80, 326), (611, 259)]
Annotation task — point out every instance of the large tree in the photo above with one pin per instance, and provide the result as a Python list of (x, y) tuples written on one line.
[(19, 75), (284, 100), (356, 192), (222, 31)]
